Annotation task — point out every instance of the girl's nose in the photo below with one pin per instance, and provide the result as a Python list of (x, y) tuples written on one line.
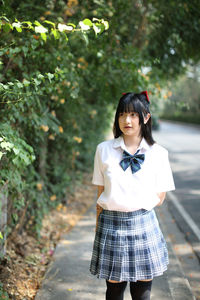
[(127, 118)]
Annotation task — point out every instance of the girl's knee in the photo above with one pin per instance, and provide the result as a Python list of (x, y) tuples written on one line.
[(146, 280)]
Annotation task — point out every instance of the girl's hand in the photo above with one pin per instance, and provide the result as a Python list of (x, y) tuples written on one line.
[(99, 210), (98, 207), (162, 198)]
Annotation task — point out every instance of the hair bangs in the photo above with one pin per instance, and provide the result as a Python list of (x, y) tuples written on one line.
[(127, 106)]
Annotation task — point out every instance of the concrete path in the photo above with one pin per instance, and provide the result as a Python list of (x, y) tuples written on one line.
[(68, 276)]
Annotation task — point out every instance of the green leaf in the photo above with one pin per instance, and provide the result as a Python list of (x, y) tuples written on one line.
[(17, 25), (98, 28), (15, 150), (105, 23), (15, 160), (88, 22), (7, 27), (27, 22), (19, 85), (51, 23), (40, 76), (4, 17), (85, 37), (44, 36), (37, 23), (6, 145), (1, 236), (50, 76), (18, 29), (55, 33), (1, 154), (37, 82), (26, 82), (71, 24)]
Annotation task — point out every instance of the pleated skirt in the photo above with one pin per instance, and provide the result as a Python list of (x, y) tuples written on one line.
[(128, 246)]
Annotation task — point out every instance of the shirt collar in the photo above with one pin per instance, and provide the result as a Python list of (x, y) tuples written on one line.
[(119, 142)]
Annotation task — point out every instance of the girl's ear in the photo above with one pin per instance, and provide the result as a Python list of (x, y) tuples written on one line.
[(146, 118)]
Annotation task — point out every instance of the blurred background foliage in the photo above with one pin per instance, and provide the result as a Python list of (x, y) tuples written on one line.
[(58, 93)]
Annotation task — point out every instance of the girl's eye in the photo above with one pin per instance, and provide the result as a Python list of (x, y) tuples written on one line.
[(121, 114), (133, 114)]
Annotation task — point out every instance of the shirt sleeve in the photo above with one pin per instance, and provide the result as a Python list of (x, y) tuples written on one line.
[(164, 177), (98, 178)]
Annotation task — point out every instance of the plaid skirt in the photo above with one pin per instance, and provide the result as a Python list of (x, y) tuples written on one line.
[(128, 246)]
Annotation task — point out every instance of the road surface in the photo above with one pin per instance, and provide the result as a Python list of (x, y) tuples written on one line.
[(183, 143)]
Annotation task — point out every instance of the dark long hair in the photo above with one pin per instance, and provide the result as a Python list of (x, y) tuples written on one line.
[(137, 103)]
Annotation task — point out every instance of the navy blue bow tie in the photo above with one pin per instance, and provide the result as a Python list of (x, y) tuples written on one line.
[(132, 160)]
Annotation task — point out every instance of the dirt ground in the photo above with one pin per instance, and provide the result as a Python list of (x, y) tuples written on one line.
[(27, 258)]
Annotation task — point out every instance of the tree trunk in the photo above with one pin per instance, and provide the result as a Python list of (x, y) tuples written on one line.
[(3, 217)]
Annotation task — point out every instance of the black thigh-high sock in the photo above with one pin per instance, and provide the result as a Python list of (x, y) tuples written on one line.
[(140, 290), (115, 291)]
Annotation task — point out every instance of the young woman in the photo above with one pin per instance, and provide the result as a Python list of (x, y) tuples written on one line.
[(132, 173)]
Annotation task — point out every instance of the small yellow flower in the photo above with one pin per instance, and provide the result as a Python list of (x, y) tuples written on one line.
[(59, 207), (60, 129), (82, 63), (53, 198), (44, 127), (62, 101), (169, 94), (93, 113), (74, 124), (51, 137), (42, 18), (39, 186), (158, 86), (54, 98), (53, 113), (47, 13), (64, 209), (77, 139), (165, 97), (81, 59), (68, 13)]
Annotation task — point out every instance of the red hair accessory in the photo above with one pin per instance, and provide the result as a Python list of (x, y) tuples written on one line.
[(146, 94), (124, 93)]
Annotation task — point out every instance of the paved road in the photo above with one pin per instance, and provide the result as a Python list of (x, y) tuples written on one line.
[(183, 143)]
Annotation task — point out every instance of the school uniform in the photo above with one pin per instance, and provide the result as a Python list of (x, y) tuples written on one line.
[(129, 244)]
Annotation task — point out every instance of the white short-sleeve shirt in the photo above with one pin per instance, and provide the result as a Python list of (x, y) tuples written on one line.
[(124, 191)]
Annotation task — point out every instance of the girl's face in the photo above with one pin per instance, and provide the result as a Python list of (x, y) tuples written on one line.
[(129, 123)]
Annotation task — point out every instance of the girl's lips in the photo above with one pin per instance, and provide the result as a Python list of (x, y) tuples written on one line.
[(127, 127)]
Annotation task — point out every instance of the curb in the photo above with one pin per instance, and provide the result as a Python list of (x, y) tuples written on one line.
[(178, 283)]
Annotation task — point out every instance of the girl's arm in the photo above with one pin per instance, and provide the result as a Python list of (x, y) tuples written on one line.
[(162, 198), (99, 208)]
